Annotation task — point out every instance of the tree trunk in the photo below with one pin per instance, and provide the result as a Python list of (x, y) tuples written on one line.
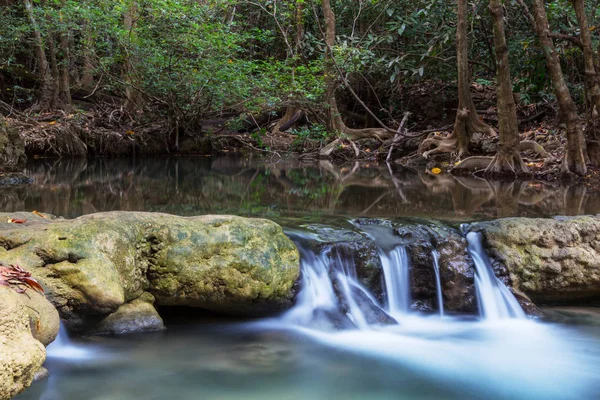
[(507, 160), (133, 98), (574, 160), (87, 72), (64, 85), (592, 84), (334, 118), (467, 122), (292, 110), (48, 96)]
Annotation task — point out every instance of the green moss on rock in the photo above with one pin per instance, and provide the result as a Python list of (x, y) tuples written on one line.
[(93, 265)]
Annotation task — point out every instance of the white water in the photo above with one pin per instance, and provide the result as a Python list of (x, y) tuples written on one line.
[(396, 268), (63, 348), (495, 300), (318, 301), (438, 281)]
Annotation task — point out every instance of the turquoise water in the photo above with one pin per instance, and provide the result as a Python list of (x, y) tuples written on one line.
[(245, 361)]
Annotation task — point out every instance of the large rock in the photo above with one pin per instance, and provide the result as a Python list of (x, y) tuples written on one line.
[(553, 261), (93, 265), (12, 148), (21, 354)]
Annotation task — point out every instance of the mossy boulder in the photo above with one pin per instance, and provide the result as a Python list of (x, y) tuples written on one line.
[(93, 265), (21, 354), (552, 261)]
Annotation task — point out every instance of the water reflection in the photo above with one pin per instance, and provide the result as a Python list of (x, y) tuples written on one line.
[(250, 186)]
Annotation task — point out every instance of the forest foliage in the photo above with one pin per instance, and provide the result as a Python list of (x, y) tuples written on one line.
[(187, 61)]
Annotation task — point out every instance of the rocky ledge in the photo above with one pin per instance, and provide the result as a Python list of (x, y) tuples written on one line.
[(105, 273), (552, 261)]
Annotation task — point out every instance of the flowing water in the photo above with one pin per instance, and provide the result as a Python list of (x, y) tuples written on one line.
[(495, 300), (438, 281), (344, 338)]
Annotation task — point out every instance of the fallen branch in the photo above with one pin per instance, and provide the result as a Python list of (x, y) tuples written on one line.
[(396, 137)]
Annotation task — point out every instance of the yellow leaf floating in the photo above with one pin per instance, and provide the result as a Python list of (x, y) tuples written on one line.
[(436, 171), (39, 214), (130, 132), (52, 123)]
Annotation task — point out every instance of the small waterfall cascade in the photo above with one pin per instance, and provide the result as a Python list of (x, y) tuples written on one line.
[(495, 300), (334, 296), (331, 296), (64, 348), (438, 281), (396, 269)]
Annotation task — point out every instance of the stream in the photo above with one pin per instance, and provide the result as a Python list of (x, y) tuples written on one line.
[(342, 339)]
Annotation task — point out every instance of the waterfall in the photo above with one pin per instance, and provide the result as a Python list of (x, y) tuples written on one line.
[(64, 348), (438, 281), (396, 268), (334, 298), (331, 296), (495, 300)]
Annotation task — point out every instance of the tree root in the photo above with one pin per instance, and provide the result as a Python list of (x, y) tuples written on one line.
[(472, 164), (507, 165), (535, 147), (437, 145), (500, 165)]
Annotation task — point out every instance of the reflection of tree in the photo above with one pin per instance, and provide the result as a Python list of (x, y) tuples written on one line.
[(246, 186), (470, 194)]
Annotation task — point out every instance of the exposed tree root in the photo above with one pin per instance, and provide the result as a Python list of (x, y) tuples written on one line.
[(501, 165), (435, 144), (507, 165), (535, 147), (472, 164), (291, 116)]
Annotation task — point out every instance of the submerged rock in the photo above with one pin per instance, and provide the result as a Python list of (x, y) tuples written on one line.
[(21, 354), (552, 261), (94, 265), (138, 315)]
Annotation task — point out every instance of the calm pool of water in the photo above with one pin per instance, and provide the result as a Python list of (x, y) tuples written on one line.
[(281, 190)]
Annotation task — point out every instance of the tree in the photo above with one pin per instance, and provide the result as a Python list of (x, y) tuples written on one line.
[(332, 73), (574, 159), (507, 160), (592, 84), (467, 121), (48, 95), (133, 97)]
